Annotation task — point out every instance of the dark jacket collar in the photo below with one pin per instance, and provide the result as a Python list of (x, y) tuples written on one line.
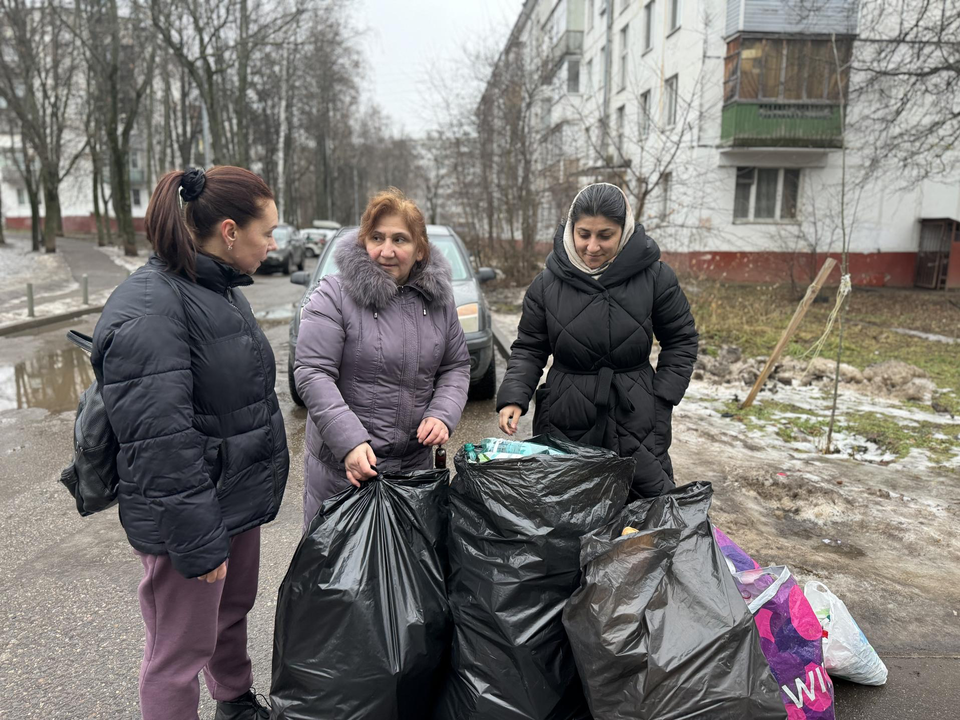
[(637, 255), (212, 273), (370, 286)]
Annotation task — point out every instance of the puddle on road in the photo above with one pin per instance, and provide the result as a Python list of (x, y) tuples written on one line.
[(53, 381)]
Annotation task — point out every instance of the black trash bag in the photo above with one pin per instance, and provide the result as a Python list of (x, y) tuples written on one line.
[(515, 528), (363, 625), (658, 627)]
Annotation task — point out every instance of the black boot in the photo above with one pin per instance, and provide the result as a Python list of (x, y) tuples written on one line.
[(245, 707)]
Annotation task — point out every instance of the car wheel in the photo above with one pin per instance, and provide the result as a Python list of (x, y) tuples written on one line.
[(486, 387), (291, 381), (288, 268), (311, 252)]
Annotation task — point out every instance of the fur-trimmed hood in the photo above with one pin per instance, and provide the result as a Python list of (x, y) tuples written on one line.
[(370, 286)]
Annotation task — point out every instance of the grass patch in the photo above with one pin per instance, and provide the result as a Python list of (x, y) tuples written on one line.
[(898, 438), (783, 416), (753, 317)]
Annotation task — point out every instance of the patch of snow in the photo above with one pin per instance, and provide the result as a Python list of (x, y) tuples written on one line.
[(127, 263), (18, 265), (927, 336), (54, 308)]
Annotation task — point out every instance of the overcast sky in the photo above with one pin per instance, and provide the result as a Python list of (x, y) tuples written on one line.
[(409, 39)]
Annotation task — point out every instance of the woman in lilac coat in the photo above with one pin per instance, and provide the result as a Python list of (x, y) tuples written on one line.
[(382, 363)]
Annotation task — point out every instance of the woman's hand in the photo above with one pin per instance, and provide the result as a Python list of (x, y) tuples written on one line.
[(360, 463), (510, 418), (219, 574), (432, 432)]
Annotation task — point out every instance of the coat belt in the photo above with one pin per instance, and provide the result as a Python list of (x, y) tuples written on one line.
[(608, 380)]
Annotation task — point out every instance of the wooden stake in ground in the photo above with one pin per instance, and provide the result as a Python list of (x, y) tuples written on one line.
[(828, 266)]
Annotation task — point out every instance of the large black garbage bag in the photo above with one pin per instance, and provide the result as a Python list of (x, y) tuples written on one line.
[(363, 624), (658, 627), (515, 528)]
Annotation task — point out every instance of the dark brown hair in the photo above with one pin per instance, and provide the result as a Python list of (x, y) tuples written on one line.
[(393, 202), (224, 192)]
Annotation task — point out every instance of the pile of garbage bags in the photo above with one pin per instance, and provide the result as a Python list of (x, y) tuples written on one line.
[(526, 589)]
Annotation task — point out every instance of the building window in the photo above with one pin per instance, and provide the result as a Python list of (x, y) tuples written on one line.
[(648, 17), (591, 13), (666, 183), (573, 76), (590, 75), (21, 196), (786, 70), (674, 14), (136, 197), (621, 124), (624, 55), (766, 194), (645, 114), (135, 160), (670, 100)]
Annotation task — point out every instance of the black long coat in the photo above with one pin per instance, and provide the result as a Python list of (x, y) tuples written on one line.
[(187, 379), (601, 389)]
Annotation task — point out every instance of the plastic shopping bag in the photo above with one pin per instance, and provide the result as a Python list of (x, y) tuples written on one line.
[(737, 559), (515, 528), (790, 635), (658, 627), (363, 623), (846, 652)]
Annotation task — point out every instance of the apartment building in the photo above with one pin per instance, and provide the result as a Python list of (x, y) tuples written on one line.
[(724, 122)]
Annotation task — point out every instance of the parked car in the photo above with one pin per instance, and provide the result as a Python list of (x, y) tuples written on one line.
[(471, 307), (290, 251), (314, 239)]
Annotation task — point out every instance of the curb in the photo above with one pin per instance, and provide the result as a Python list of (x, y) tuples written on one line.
[(502, 342), (34, 323)]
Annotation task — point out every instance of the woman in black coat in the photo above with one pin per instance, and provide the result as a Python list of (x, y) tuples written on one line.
[(187, 379), (596, 308)]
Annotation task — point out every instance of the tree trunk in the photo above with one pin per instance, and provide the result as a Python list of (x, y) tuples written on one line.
[(243, 64), (35, 236), (97, 215), (51, 200), (120, 189)]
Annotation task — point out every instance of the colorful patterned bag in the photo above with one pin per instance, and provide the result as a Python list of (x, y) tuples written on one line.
[(737, 559), (790, 637)]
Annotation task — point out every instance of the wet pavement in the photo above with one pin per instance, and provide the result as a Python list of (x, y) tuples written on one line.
[(70, 629)]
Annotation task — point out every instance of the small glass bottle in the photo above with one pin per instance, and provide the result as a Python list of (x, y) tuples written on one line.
[(440, 458)]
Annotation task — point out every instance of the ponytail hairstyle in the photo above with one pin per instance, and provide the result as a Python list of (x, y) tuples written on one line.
[(187, 208)]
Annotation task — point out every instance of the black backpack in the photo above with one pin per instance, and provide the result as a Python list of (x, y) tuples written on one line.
[(92, 476)]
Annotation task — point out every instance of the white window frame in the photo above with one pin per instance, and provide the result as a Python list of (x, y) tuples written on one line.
[(621, 127), (646, 102), (751, 218), (21, 196), (579, 87), (676, 15), (649, 18), (671, 91), (624, 55)]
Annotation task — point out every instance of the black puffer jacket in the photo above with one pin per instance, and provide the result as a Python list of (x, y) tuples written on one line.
[(187, 378), (602, 389)]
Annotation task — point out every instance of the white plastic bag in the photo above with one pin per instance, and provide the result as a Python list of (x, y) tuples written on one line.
[(846, 652)]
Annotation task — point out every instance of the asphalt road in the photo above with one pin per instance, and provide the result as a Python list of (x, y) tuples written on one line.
[(70, 629)]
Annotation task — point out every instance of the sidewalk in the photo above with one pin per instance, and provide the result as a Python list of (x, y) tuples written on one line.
[(57, 281)]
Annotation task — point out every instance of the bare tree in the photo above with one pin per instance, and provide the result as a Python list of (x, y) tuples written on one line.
[(906, 77), (37, 80), (121, 56)]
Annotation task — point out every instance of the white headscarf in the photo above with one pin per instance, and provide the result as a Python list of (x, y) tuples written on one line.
[(571, 248)]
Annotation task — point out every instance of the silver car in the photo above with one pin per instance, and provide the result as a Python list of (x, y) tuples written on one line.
[(471, 307)]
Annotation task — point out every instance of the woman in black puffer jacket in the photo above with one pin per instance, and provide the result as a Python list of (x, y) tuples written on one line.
[(596, 308), (187, 379)]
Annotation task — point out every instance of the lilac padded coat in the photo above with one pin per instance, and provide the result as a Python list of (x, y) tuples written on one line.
[(374, 359)]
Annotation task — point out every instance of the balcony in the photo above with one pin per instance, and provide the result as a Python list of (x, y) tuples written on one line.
[(570, 43), (772, 124)]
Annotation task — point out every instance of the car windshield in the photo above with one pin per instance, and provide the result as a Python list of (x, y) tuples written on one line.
[(445, 244), (282, 236)]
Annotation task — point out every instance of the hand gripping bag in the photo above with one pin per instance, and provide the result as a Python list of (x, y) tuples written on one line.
[(790, 635), (658, 628), (847, 653), (515, 528), (363, 623)]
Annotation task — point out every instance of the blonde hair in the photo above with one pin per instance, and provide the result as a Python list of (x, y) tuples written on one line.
[(393, 202)]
